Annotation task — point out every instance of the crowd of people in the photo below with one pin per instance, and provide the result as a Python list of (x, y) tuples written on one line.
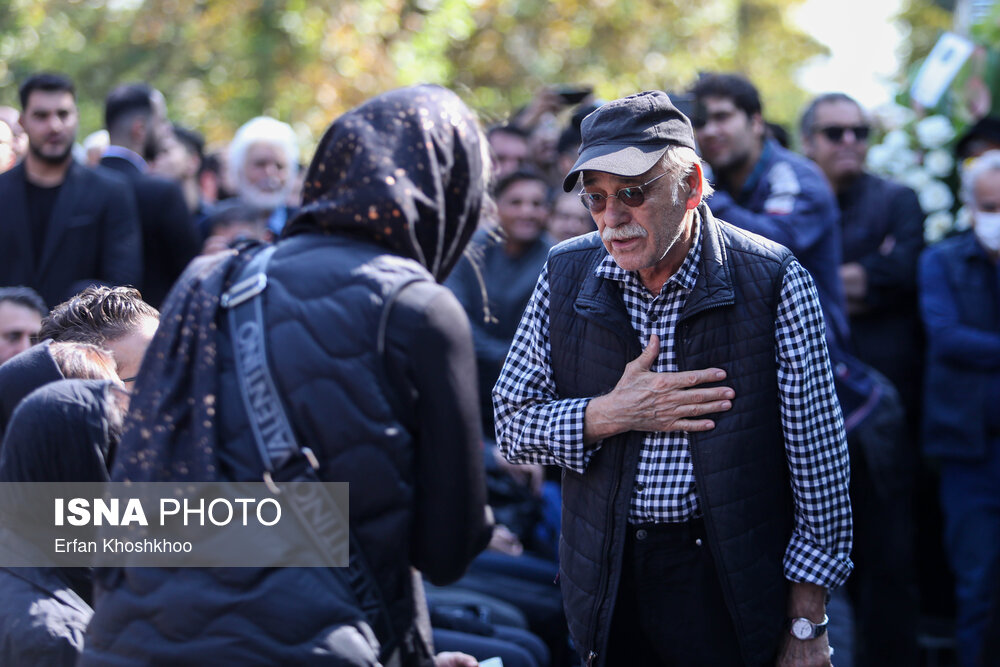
[(649, 386)]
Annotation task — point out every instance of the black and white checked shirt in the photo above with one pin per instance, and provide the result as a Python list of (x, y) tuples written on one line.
[(535, 426)]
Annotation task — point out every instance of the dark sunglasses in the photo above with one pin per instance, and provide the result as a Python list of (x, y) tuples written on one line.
[(631, 196), (835, 133)]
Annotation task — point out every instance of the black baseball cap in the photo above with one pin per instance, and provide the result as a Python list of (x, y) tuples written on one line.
[(628, 136), (986, 129)]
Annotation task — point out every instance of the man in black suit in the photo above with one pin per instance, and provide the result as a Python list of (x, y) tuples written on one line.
[(136, 118), (63, 226)]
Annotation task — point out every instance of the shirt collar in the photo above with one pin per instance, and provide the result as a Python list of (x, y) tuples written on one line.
[(763, 163), (683, 278), (126, 154), (976, 249)]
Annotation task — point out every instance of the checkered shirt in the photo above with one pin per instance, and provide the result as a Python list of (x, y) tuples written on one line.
[(535, 426)]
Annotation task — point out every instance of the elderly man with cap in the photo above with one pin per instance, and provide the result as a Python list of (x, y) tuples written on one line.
[(675, 367)]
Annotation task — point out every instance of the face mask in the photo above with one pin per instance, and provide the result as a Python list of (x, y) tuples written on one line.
[(987, 230)]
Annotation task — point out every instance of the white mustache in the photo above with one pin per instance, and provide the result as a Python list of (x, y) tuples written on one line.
[(625, 232)]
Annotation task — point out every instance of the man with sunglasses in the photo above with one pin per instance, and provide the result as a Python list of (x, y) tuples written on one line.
[(882, 234), (675, 367), (766, 189)]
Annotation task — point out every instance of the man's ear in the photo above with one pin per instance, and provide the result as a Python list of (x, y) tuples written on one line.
[(758, 126), (808, 147), (138, 129), (693, 183)]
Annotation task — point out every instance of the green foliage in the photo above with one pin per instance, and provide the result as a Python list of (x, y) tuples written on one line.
[(975, 91), (925, 20), (985, 71), (221, 63)]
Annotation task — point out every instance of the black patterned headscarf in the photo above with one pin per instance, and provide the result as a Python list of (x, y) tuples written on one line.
[(406, 169)]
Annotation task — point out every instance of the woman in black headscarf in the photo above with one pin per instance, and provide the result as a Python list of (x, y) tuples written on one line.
[(391, 199), (65, 431)]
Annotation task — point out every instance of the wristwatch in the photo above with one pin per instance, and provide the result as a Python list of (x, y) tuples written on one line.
[(803, 628)]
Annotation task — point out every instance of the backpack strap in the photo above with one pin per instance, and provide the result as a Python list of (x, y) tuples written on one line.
[(282, 458)]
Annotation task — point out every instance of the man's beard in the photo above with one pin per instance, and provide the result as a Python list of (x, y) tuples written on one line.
[(53, 159), (265, 199), (151, 148), (736, 162)]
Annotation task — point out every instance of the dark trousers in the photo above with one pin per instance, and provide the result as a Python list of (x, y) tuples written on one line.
[(970, 497), (528, 584), (670, 609), (883, 585), (515, 647)]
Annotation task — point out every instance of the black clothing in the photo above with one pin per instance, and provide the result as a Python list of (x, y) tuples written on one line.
[(409, 432), (63, 432), (40, 202), (414, 415), (380, 174), (93, 235), (392, 195), (667, 567), (22, 374), (883, 587), (169, 237), (882, 228), (728, 322), (508, 283), (42, 619), (515, 647), (538, 599)]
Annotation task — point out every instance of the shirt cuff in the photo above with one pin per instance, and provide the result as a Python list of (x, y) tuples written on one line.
[(807, 563), (566, 435)]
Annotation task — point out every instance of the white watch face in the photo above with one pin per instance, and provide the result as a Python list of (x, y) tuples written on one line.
[(802, 628)]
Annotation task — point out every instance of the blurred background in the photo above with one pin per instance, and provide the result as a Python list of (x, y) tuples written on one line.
[(221, 63)]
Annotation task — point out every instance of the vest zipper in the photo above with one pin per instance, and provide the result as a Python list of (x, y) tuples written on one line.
[(685, 328)]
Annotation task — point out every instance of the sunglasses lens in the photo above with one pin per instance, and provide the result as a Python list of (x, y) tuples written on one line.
[(592, 202), (631, 196), (834, 134)]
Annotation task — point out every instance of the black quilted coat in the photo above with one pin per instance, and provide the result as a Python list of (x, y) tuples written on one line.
[(391, 197)]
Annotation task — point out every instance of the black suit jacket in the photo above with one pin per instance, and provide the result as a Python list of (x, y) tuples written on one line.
[(93, 236), (170, 238)]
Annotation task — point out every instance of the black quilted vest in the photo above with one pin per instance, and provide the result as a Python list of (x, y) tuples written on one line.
[(740, 467)]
